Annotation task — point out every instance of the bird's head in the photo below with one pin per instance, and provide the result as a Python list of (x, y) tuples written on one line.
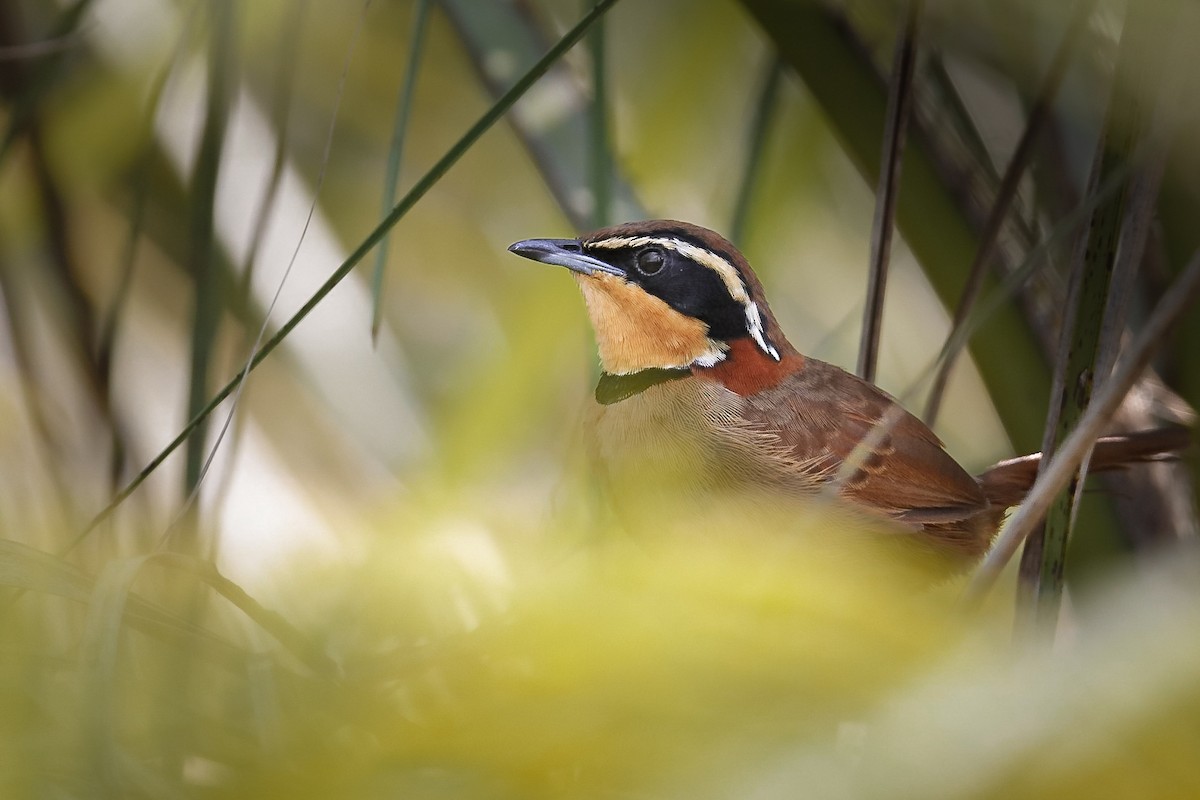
[(667, 295)]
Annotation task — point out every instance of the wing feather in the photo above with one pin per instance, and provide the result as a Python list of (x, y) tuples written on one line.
[(821, 414)]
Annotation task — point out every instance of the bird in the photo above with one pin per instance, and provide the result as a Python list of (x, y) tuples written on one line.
[(698, 381)]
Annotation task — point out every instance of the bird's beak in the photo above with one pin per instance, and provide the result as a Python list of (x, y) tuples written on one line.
[(564, 253)]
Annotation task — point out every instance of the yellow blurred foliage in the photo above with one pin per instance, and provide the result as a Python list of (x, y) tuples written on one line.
[(485, 658)]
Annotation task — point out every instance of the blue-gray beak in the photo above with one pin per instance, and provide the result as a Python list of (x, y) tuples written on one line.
[(563, 253)]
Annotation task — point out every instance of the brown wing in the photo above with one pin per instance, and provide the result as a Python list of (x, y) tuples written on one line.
[(822, 413)]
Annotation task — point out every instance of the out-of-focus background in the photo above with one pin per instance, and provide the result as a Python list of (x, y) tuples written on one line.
[(401, 480)]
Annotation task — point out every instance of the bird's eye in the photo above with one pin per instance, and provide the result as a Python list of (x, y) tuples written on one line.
[(650, 261)]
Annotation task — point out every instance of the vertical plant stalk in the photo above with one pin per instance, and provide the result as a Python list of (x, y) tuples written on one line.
[(899, 107), (285, 72), (760, 129), (207, 301), (1063, 466), (186, 509), (1041, 576), (1162, 86), (416, 44), (1042, 565), (113, 314), (1006, 194), (599, 146), (1157, 504), (599, 152)]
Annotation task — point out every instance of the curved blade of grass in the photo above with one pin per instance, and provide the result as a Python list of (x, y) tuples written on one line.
[(1007, 193), (274, 624), (29, 569), (760, 128), (98, 650), (113, 593), (25, 567), (416, 44), (426, 182), (562, 148), (899, 108)]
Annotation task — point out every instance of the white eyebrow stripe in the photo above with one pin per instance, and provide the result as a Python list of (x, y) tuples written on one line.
[(729, 276), (726, 271)]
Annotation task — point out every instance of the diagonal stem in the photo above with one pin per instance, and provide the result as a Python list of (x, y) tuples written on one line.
[(422, 186)]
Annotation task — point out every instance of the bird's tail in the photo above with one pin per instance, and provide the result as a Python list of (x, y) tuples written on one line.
[(1006, 483)]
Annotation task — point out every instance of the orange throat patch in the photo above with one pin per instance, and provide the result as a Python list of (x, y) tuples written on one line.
[(636, 330)]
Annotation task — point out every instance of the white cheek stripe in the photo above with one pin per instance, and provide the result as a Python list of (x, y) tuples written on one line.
[(729, 276), (755, 326)]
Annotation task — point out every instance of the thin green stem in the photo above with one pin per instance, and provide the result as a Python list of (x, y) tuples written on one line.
[(599, 147), (396, 154), (899, 108), (760, 128)]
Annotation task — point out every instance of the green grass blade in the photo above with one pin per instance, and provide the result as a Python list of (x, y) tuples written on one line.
[(207, 304), (272, 623), (416, 45), (760, 128), (112, 314), (562, 148), (1044, 559), (104, 631), (98, 651), (599, 146), (28, 569), (422, 186)]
